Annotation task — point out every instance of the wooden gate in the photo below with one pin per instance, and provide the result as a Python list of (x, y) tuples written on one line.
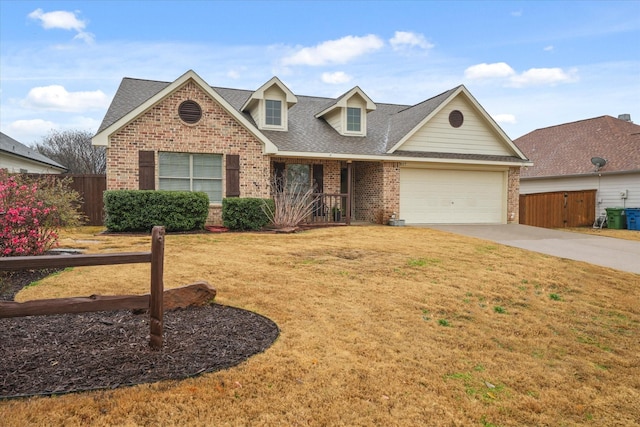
[(558, 209)]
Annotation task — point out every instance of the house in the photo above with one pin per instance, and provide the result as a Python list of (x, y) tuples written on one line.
[(18, 158), (443, 160), (598, 157)]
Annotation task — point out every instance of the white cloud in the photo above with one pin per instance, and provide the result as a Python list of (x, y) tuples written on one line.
[(403, 39), (531, 77), (517, 13), (505, 118), (338, 51), (336, 78), (61, 19), (34, 127), (548, 48), (489, 71), (57, 98), (543, 76)]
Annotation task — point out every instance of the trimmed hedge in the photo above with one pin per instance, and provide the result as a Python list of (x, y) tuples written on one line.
[(246, 213), (141, 210)]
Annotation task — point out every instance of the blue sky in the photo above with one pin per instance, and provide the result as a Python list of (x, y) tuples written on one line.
[(529, 64)]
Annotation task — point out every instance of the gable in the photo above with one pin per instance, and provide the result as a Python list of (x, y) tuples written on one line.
[(474, 136), (104, 135)]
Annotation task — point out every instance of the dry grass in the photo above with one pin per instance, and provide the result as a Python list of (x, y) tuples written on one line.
[(383, 326), (606, 232)]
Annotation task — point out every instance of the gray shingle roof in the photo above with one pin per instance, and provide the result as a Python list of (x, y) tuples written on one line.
[(386, 125), (567, 149), (11, 146)]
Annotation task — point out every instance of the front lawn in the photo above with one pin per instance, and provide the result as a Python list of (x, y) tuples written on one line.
[(380, 326)]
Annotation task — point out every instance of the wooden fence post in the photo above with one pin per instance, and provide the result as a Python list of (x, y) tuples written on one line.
[(156, 306)]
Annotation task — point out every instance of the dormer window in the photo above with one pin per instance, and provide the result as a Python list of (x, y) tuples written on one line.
[(269, 105), (354, 119), (348, 114), (273, 113)]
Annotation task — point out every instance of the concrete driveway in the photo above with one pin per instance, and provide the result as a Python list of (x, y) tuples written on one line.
[(605, 251)]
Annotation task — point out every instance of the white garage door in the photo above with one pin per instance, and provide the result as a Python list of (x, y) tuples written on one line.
[(429, 196)]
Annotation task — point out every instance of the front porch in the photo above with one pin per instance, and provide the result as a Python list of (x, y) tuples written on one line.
[(346, 191), (330, 209)]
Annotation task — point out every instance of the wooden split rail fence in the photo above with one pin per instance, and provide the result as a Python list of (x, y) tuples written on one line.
[(154, 301)]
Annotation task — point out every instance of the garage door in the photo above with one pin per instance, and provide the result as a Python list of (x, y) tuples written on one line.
[(431, 196)]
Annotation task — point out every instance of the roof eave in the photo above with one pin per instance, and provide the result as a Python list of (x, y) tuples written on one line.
[(581, 175), (37, 162), (387, 158)]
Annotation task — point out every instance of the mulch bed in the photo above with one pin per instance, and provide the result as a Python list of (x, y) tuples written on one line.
[(44, 355)]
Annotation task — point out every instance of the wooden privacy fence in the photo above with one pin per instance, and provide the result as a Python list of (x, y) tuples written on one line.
[(558, 209), (90, 187), (154, 302)]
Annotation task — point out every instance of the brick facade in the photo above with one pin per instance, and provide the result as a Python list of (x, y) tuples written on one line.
[(161, 129), (513, 196), (376, 184)]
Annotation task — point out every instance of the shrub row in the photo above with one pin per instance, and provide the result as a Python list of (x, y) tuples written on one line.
[(242, 214), (141, 210)]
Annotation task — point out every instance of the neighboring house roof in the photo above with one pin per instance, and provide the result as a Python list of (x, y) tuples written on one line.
[(567, 149), (307, 135), (11, 146)]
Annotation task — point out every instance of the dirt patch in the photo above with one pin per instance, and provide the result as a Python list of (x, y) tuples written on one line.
[(43, 355)]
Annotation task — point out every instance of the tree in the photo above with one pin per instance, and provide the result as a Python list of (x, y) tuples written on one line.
[(73, 149)]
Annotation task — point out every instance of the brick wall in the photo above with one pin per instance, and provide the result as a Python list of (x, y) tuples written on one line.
[(368, 187), (377, 191), (513, 196), (161, 129), (391, 190)]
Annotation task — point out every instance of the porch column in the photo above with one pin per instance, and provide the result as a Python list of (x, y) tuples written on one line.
[(349, 189)]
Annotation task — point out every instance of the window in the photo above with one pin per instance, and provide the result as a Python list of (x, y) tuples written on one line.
[(192, 172), (354, 119), (298, 177), (273, 114)]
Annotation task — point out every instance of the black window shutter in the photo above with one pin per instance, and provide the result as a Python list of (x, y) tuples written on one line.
[(146, 170), (318, 180), (279, 175), (233, 175)]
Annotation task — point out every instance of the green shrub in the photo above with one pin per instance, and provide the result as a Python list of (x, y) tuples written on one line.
[(141, 210), (241, 214)]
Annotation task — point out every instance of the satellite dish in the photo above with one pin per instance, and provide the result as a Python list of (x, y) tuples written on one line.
[(598, 162)]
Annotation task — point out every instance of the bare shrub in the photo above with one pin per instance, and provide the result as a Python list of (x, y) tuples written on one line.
[(294, 201)]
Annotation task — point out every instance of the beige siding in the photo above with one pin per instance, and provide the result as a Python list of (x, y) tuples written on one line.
[(475, 136), (335, 119), (17, 164), (608, 188)]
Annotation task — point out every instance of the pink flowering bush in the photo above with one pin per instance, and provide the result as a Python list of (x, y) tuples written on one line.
[(28, 226)]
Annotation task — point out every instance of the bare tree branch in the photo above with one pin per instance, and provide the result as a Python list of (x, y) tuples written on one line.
[(73, 149)]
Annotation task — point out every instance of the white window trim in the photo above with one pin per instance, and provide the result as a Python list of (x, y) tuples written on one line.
[(363, 122), (283, 116)]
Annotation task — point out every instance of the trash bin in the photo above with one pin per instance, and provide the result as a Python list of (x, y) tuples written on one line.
[(633, 218), (616, 218)]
